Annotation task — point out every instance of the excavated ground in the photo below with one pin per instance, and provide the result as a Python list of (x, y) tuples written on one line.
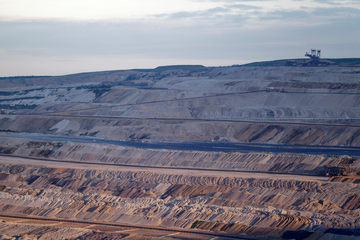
[(159, 105), (112, 154), (254, 205), (13, 228), (185, 130), (274, 105)]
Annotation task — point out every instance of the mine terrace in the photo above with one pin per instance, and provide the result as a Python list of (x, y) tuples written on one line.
[(267, 150)]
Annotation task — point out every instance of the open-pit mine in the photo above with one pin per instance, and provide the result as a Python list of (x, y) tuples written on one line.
[(182, 152)]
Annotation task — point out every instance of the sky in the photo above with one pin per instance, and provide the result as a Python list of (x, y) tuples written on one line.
[(53, 37)]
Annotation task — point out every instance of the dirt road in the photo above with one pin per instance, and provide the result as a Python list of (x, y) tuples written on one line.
[(164, 170)]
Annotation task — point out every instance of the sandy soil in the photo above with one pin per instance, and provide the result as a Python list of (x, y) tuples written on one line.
[(277, 105), (322, 95), (305, 164), (178, 200), (15, 229), (19, 160)]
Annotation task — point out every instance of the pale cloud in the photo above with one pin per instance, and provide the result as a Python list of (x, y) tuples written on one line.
[(86, 36), (123, 10), (96, 10), (211, 13), (243, 7), (137, 9), (313, 16)]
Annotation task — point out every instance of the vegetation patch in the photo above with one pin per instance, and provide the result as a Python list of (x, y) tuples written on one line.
[(2, 93), (18, 106), (196, 224), (93, 87), (98, 90), (132, 84), (33, 144), (23, 98)]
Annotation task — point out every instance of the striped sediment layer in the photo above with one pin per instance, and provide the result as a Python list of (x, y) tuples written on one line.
[(174, 200), (87, 152)]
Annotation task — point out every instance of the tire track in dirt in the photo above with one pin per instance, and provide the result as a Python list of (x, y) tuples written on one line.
[(142, 227)]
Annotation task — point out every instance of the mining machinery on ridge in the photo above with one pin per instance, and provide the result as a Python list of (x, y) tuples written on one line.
[(315, 58)]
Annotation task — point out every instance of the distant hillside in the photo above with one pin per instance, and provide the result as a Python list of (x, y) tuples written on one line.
[(193, 68), (125, 78), (147, 77), (341, 62)]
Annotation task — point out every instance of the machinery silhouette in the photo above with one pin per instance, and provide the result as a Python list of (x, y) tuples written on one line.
[(314, 62), (314, 55), (315, 58)]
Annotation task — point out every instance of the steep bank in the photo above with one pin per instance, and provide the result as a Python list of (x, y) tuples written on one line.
[(173, 130), (177, 200), (103, 153)]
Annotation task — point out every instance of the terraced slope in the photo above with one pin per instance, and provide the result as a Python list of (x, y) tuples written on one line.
[(177, 188), (285, 105), (178, 200)]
